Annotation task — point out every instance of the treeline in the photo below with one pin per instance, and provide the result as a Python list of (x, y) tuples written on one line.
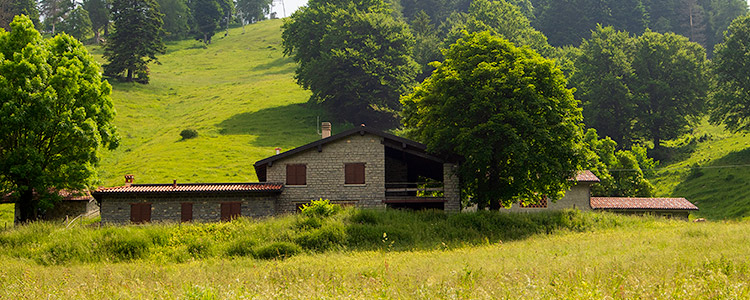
[(181, 18)]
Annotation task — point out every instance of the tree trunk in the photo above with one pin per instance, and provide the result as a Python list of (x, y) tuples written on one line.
[(129, 78), (27, 205), (495, 205), (96, 36)]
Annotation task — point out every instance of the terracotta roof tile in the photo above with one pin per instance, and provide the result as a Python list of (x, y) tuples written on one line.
[(586, 176), (193, 187), (65, 194), (641, 203)]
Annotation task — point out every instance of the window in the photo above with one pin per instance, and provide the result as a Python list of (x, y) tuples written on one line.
[(542, 204), (140, 213), (187, 212), (296, 174), (354, 173), (230, 210)]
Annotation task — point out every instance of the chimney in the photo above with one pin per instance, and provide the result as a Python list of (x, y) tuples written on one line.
[(174, 183), (278, 150), (326, 129), (129, 179)]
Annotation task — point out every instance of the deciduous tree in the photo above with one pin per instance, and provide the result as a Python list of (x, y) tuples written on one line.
[(253, 10), (353, 56), (11, 8), (730, 98), (77, 23), (55, 111), (98, 14), (136, 39), (507, 112), (208, 15)]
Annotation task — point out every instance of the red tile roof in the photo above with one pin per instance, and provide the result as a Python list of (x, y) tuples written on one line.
[(65, 194), (586, 176), (193, 188), (641, 203)]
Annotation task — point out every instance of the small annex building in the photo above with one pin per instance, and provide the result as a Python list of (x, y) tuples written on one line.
[(359, 167), (72, 204)]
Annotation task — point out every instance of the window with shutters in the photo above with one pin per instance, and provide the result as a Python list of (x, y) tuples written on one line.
[(541, 204), (187, 212), (296, 174), (354, 173), (140, 213), (230, 210)]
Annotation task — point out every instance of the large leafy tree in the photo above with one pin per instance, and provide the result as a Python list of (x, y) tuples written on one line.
[(603, 70), (627, 177), (252, 11), (731, 68), (208, 16), (670, 85), (54, 11), (353, 56), (507, 112), (11, 8), (176, 18), (136, 39), (98, 15), (55, 111)]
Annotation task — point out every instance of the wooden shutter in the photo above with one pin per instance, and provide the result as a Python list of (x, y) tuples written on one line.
[(140, 212), (187, 212), (296, 174), (230, 210), (354, 173)]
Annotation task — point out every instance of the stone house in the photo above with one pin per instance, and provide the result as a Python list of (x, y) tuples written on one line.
[(359, 167), (71, 205)]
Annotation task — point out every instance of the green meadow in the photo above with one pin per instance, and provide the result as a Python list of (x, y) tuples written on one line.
[(383, 254)]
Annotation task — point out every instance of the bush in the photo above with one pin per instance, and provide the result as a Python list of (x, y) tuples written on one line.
[(322, 239), (320, 208), (126, 244), (188, 134), (242, 247), (365, 217), (277, 250), (305, 223)]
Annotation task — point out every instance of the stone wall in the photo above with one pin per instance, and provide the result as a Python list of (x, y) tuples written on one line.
[(325, 173), (451, 189), (66, 209), (578, 197), (168, 208)]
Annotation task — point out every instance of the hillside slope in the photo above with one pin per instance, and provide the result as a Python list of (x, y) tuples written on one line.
[(238, 93)]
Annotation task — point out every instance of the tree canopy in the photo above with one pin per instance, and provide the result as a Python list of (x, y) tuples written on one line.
[(136, 39), (731, 67), (208, 15), (507, 112), (56, 113), (353, 56), (77, 23), (98, 15)]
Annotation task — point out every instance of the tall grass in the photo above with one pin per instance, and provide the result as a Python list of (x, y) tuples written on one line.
[(49, 243), (606, 257)]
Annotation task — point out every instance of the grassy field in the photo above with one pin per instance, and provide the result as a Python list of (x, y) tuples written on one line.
[(610, 257), (7, 212), (238, 93)]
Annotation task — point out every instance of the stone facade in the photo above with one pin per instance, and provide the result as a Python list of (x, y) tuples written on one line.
[(578, 197), (167, 208)]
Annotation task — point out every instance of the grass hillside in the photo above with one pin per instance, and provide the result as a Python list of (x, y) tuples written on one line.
[(238, 93), (711, 168)]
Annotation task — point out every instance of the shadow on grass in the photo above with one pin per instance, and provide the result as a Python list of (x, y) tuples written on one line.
[(285, 62), (721, 189), (284, 126)]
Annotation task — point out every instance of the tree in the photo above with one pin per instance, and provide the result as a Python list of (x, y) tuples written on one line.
[(176, 18), (54, 11), (670, 85), (730, 98), (56, 112), (603, 70), (507, 112), (11, 8), (136, 39), (98, 15), (627, 178), (353, 56), (77, 23), (207, 16), (253, 10)]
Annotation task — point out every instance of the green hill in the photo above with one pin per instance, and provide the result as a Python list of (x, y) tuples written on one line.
[(238, 93)]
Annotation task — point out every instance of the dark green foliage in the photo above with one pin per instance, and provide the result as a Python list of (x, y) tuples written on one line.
[(136, 39), (368, 217), (126, 244), (98, 14), (308, 223), (344, 48), (188, 134), (77, 23), (277, 250), (507, 112), (252, 11), (176, 18), (629, 167), (209, 16), (56, 112), (322, 239), (730, 97), (54, 11), (242, 247), (11, 8)]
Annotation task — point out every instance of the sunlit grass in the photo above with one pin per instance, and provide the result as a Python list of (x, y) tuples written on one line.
[(7, 213)]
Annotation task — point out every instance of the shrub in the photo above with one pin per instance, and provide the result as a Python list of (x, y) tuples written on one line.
[(305, 223), (241, 247), (188, 134), (277, 250), (126, 244), (320, 208), (322, 239), (365, 217)]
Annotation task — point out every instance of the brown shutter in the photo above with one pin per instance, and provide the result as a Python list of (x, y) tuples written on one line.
[(302, 174), (360, 173), (354, 173), (146, 217), (296, 174), (236, 209), (291, 176), (140, 212), (230, 210), (135, 213), (187, 212)]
